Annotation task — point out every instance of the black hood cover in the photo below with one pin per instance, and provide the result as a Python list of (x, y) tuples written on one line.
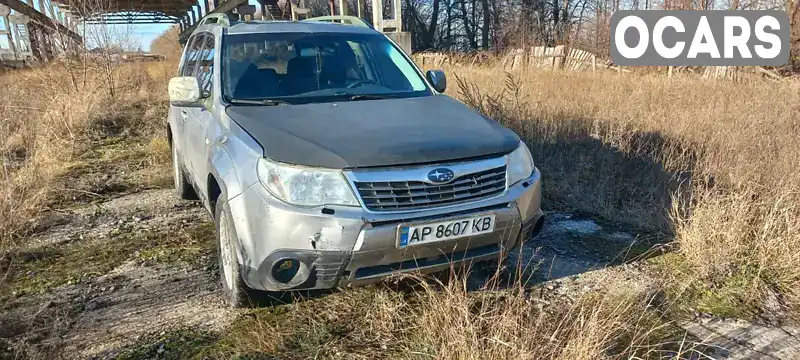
[(369, 133)]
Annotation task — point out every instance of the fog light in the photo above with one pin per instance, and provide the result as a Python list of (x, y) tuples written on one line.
[(284, 270)]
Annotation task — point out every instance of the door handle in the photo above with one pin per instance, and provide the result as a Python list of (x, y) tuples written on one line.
[(184, 114)]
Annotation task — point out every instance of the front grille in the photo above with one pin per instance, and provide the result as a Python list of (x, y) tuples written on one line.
[(409, 195)]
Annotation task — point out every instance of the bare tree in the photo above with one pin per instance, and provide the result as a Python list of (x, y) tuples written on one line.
[(109, 42), (470, 25)]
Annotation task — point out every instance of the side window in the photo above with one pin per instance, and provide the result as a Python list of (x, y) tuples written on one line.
[(205, 69), (192, 53)]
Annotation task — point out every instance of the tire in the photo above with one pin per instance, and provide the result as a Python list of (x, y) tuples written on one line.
[(183, 188), (236, 292)]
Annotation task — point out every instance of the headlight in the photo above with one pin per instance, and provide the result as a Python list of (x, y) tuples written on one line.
[(305, 186), (519, 164)]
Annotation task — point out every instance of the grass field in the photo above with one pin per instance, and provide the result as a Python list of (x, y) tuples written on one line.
[(55, 114), (712, 165), (708, 167)]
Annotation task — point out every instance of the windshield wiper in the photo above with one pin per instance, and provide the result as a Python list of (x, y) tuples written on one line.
[(265, 102), (369, 97)]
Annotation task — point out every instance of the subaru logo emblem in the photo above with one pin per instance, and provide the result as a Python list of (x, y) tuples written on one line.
[(440, 175)]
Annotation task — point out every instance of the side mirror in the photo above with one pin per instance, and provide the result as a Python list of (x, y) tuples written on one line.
[(185, 91), (437, 79)]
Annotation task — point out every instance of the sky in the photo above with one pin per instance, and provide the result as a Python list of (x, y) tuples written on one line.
[(142, 34), (3, 39), (146, 33)]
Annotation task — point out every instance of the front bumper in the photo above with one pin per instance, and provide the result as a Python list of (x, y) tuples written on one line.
[(347, 246)]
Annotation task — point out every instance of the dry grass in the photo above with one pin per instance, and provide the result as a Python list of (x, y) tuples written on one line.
[(50, 117), (712, 164), (512, 325), (446, 321)]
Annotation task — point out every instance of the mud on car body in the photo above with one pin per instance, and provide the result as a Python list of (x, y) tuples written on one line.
[(328, 159)]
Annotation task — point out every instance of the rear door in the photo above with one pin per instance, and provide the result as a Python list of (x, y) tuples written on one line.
[(200, 117)]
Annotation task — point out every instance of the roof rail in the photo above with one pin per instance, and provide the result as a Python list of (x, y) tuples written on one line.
[(221, 19), (342, 19)]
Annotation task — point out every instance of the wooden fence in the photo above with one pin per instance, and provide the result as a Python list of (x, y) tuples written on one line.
[(557, 57)]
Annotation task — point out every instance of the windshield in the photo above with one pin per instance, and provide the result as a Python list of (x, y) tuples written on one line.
[(311, 67)]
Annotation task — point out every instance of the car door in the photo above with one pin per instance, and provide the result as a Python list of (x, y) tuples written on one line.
[(180, 114), (200, 117)]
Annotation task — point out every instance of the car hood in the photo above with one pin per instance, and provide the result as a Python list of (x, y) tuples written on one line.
[(370, 133)]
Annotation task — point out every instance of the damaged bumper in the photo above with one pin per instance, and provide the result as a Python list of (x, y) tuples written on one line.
[(326, 247)]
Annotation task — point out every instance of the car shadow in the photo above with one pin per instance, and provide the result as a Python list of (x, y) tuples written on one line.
[(268, 299), (607, 194)]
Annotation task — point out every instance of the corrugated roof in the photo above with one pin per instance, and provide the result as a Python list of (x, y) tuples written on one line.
[(143, 8)]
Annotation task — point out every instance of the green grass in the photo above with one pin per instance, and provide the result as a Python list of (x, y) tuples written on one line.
[(330, 327), (181, 343), (728, 297), (44, 268), (725, 299), (190, 245), (334, 326), (116, 164)]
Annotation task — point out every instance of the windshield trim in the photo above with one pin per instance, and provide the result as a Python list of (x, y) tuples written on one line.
[(344, 97), (429, 91)]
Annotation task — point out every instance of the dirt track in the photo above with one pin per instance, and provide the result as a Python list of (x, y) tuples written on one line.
[(138, 296)]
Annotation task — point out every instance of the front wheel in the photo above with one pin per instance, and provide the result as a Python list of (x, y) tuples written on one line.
[(237, 293)]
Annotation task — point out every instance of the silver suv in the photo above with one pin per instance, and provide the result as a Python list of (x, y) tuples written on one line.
[(327, 159)]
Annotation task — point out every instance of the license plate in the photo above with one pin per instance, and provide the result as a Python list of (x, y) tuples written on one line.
[(409, 235)]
